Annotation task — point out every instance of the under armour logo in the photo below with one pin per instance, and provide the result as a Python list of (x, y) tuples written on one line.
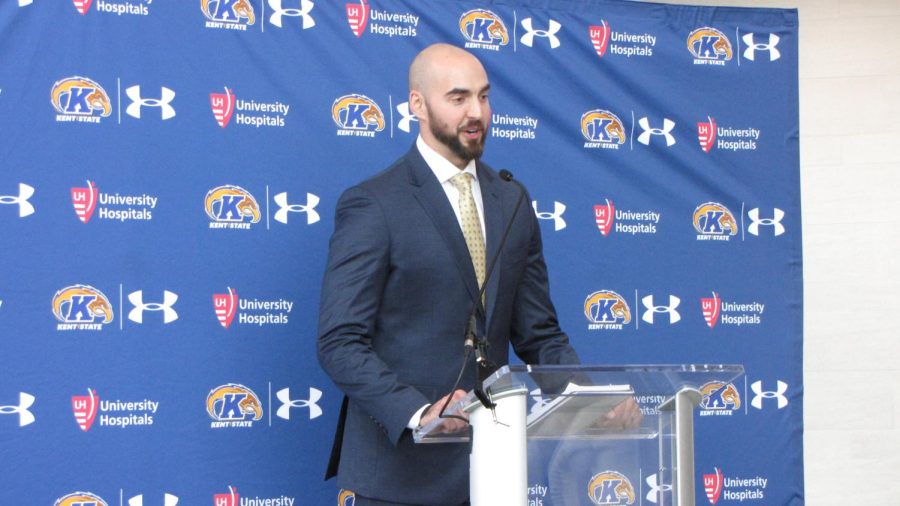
[(407, 117), (284, 208), (760, 394), (23, 3), (656, 490), (137, 101), (25, 416), (652, 309), (753, 47), (303, 12), (558, 209), (137, 299), (25, 193), (531, 33), (284, 395), (539, 400), (168, 500), (665, 131), (774, 222)]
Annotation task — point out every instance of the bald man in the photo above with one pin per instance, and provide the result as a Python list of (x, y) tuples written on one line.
[(406, 262)]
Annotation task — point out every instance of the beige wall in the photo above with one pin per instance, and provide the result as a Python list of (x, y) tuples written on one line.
[(850, 181)]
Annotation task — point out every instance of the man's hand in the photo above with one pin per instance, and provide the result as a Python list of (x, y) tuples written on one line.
[(448, 425), (626, 415)]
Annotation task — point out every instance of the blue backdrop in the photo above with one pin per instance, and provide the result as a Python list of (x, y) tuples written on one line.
[(168, 174)]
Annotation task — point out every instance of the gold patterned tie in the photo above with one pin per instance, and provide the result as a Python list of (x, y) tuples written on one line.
[(471, 224)]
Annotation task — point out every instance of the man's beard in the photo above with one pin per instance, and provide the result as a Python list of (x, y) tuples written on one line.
[(452, 141)]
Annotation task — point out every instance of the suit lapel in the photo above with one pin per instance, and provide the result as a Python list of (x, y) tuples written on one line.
[(433, 199), (493, 224)]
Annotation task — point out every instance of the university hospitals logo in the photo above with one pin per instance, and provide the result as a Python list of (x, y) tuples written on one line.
[(357, 115), (713, 221), (602, 129), (84, 407), (80, 99), (711, 308), (726, 138), (81, 307), (222, 105), (604, 214), (112, 206), (706, 134), (712, 485), (80, 499), (385, 23), (606, 310), (113, 413), (617, 43), (117, 7), (84, 200), (233, 405), (228, 14), (251, 113), (610, 487), (734, 488), (483, 29), (358, 17), (225, 306), (734, 313), (709, 46), (231, 206), (719, 398), (599, 35), (230, 498), (250, 311)]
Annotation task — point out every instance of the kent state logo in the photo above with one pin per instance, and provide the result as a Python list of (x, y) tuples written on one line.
[(599, 35), (346, 498), (225, 306), (233, 14), (358, 17), (483, 30), (84, 200), (709, 46), (80, 499), (602, 129), (606, 310), (713, 221), (719, 398), (222, 105), (233, 405), (231, 206), (84, 407), (357, 115), (80, 99), (230, 498), (81, 307), (610, 487)]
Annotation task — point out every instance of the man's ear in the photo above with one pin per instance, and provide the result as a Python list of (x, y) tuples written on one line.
[(417, 104)]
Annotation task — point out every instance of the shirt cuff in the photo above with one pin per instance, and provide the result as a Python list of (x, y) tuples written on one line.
[(417, 417)]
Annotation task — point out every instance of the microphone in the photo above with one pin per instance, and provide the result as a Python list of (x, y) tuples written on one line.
[(472, 340)]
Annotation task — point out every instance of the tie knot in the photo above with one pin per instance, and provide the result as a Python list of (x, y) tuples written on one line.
[(462, 182)]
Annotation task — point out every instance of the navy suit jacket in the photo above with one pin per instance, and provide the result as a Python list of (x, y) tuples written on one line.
[(398, 288)]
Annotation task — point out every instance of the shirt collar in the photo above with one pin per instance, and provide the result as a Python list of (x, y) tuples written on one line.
[(440, 166)]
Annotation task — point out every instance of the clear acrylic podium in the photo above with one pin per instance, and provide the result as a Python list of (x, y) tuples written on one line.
[(548, 434)]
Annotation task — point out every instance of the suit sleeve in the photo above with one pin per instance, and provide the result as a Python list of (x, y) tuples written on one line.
[(355, 277), (535, 333)]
